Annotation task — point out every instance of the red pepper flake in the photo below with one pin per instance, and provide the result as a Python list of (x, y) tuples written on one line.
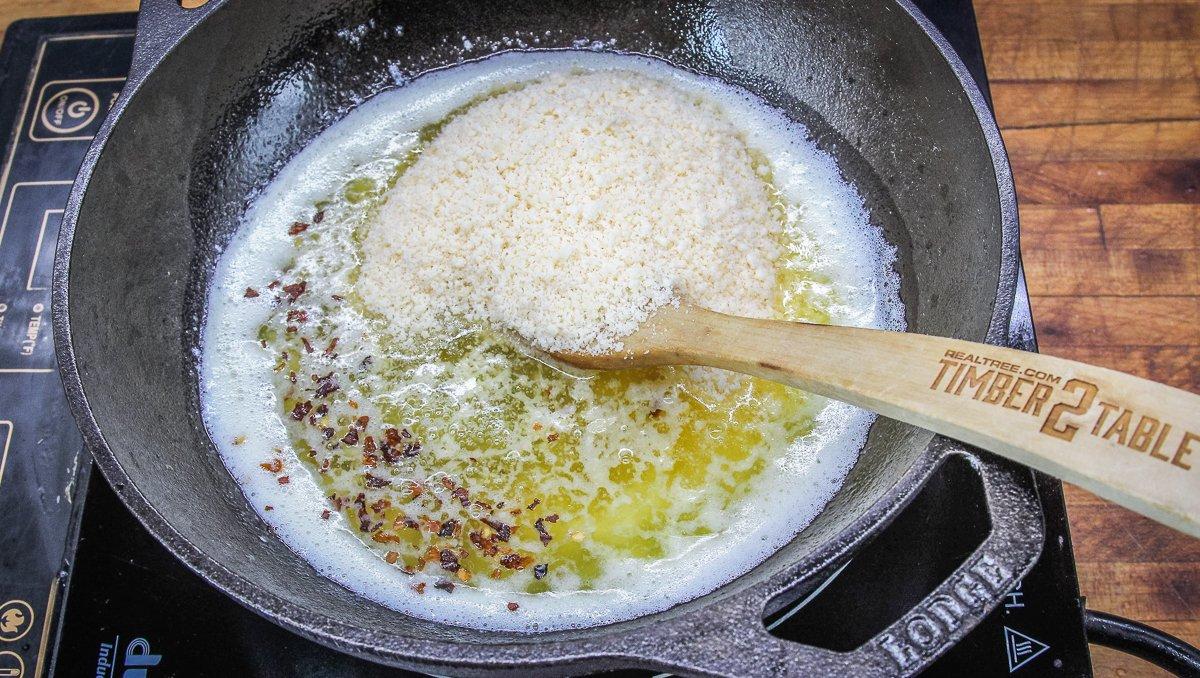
[(351, 437), (406, 523), (444, 585), (462, 495), (325, 385), (537, 425), (369, 445), (297, 228), (263, 343), (503, 532), (250, 293), (284, 480), (273, 284), (415, 490), (391, 557), (274, 466), (319, 217), (362, 421), (513, 607), (373, 481), (381, 505), (325, 514), (485, 545), (389, 455), (552, 518), (328, 352), (307, 344), (552, 437), (449, 528), (337, 297), (392, 437), (294, 290), (370, 460), (449, 560), (322, 409), (534, 504), (411, 449), (291, 329), (268, 507), (419, 587), (657, 412), (297, 315), (384, 538), (539, 571), (327, 432), (292, 377), (515, 561), (540, 526)]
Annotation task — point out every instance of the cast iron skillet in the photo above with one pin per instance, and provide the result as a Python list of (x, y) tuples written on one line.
[(220, 97)]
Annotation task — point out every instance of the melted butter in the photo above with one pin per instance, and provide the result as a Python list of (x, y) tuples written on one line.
[(664, 485), (624, 466)]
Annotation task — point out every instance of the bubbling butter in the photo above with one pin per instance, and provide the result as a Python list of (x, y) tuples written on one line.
[(447, 475)]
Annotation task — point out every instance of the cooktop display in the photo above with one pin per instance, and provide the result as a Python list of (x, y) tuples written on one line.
[(85, 590)]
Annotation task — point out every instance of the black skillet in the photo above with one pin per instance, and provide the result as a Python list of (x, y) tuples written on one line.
[(221, 97)]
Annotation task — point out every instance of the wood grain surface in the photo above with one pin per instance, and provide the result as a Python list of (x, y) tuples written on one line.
[(1099, 103)]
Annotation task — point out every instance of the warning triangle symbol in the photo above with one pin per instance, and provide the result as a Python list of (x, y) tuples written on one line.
[(1021, 649)]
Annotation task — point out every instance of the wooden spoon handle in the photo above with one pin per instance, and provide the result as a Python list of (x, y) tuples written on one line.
[(1133, 441)]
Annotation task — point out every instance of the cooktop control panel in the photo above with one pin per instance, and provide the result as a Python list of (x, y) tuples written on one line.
[(54, 95)]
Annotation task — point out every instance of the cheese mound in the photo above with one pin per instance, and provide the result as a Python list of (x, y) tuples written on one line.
[(569, 209)]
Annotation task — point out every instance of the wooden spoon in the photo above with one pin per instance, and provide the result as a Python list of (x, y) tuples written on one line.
[(1133, 441)]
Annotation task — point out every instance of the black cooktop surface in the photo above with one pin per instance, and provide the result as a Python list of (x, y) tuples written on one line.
[(84, 590)]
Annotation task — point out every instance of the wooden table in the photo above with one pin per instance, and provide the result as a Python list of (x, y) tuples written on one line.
[(1099, 102)]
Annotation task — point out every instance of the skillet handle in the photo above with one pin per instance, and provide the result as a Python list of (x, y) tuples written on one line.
[(161, 25), (730, 638)]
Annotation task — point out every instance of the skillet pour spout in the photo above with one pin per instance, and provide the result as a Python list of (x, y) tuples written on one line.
[(222, 96)]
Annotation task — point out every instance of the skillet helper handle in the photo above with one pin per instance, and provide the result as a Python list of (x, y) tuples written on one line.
[(1130, 440), (731, 639), (161, 24)]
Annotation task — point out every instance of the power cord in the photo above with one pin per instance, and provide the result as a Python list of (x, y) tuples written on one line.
[(1158, 648)]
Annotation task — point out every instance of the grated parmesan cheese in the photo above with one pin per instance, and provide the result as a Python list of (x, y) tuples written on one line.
[(569, 209)]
